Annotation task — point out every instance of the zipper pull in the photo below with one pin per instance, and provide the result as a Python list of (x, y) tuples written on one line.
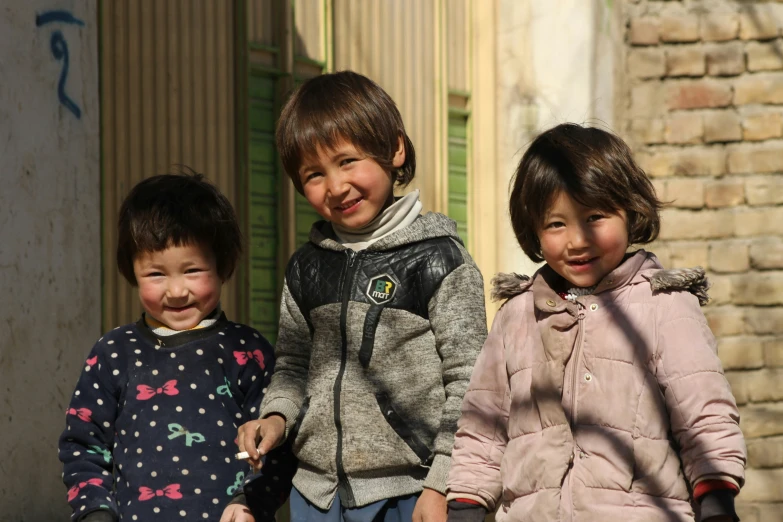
[(351, 257)]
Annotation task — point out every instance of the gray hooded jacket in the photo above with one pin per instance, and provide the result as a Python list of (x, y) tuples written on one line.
[(374, 354)]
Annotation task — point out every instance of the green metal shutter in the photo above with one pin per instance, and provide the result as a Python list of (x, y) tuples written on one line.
[(458, 170), (263, 205)]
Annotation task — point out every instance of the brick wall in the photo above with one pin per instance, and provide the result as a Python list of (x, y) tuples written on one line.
[(704, 88)]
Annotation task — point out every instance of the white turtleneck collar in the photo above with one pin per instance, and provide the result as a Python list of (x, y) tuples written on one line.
[(397, 216)]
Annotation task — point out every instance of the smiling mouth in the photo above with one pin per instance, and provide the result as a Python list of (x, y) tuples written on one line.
[(178, 308), (348, 204), (582, 262)]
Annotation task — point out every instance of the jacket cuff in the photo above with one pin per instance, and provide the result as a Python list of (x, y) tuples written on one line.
[(439, 473), (461, 495), (285, 407), (100, 515), (239, 498), (464, 512), (719, 502)]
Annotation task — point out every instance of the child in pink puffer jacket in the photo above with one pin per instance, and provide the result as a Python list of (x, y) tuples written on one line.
[(598, 394)]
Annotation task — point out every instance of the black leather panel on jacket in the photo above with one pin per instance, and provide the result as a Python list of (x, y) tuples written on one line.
[(315, 275)]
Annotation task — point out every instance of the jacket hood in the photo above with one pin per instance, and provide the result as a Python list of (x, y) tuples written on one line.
[(427, 226), (638, 267)]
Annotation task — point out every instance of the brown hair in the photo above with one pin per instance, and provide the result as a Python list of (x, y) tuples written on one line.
[(595, 168), (175, 210), (343, 106)]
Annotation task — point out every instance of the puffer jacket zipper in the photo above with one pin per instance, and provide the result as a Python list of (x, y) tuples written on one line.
[(342, 478), (580, 316)]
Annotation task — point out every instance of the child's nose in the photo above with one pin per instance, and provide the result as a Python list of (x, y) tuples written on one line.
[(336, 185), (578, 238), (176, 288)]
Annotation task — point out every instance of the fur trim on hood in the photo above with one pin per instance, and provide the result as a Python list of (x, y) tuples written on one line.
[(693, 280)]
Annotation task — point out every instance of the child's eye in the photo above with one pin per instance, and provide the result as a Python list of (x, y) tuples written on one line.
[(555, 224), (595, 217), (154, 274), (192, 270), (312, 175), (347, 161)]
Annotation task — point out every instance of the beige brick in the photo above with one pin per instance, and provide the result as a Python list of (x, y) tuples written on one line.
[(660, 189), (685, 193), (724, 193), (644, 30), (759, 88), (687, 254), (648, 131), (725, 59), (729, 256), (766, 254), (685, 60), (758, 22), (722, 126), (769, 512), (765, 56), (766, 452), (719, 27), (764, 190), (691, 161), (747, 511), (679, 28), (647, 99), (726, 320), (758, 221), (761, 420), (752, 158), (764, 385), (684, 127), (773, 352), (758, 288), (661, 251), (762, 126), (646, 62), (720, 290), (764, 321), (763, 485), (698, 94), (703, 224), (741, 352)]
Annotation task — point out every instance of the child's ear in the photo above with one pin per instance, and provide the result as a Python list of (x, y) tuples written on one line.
[(399, 157)]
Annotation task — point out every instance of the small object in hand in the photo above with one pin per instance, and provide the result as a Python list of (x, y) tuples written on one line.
[(242, 455)]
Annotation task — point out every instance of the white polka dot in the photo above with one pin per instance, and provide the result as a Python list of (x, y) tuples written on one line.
[(115, 372), (128, 331), (221, 346), (193, 386), (154, 372), (155, 408), (202, 411), (221, 333), (137, 351), (136, 434), (154, 474), (114, 356), (77, 393), (215, 501), (253, 409), (220, 361), (139, 450), (205, 515), (206, 371), (239, 382), (110, 342), (173, 355), (138, 363), (241, 341), (135, 517), (181, 367), (185, 472), (238, 415), (153, 423), (76, 453), (228, 460), (106, 424), (159, 448), (156, 510), (133, 340), (157, 347), (125, 450), (182, 513), (99, 401), (83, 508), (256, 336), (220, 423), (213, 477), (134, 416), (179, 408), (123, 432), (139, 465), (96, 386), (87, 368), (175, 458), (212, 397), (197, 491), (204, 458), (253, 379), (222, 443), (200, 351)]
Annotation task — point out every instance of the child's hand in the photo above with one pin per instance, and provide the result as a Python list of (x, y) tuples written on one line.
[(268, 431), (431, 507), (237, 513)]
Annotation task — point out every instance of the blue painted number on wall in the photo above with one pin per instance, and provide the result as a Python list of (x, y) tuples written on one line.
[(60, 51)]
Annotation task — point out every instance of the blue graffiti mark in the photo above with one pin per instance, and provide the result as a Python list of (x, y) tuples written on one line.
[(57, 16), (60, 52)]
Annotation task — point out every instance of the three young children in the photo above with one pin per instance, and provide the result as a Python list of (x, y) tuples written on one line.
[(598, 380)]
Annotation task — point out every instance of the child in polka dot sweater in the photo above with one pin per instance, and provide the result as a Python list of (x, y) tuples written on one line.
[(150, 430)]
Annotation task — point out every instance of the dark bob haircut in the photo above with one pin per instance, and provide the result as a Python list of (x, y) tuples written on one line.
[(175, 210), (595, 168), (343, 106)]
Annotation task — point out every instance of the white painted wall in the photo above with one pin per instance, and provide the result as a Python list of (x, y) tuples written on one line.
[(49, 245), (555, 65)]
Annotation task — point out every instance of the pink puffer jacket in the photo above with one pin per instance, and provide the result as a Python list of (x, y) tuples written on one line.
[(601, 410)]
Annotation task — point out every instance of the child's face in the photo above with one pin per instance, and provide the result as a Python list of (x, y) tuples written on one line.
[(178, 286), (582, 244), (347, 187)]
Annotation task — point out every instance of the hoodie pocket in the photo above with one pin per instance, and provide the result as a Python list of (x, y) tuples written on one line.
[(402, 429), (299, 419)]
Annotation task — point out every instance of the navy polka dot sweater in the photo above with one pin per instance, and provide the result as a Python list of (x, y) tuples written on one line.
[(151, 428)]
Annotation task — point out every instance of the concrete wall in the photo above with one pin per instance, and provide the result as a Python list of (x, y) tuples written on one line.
[(49, 242), (556, 64)]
